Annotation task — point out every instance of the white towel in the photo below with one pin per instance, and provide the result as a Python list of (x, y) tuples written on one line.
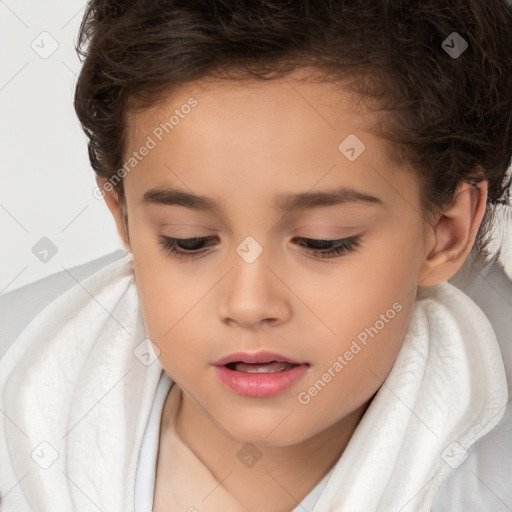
[(76, 391)]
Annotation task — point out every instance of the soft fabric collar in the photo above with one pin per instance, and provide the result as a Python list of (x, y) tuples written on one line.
[(78, 385)]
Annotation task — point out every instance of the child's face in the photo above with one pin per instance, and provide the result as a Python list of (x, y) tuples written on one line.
[(343, 317)]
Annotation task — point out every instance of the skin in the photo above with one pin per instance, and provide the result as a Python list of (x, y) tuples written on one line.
[(244, 143)]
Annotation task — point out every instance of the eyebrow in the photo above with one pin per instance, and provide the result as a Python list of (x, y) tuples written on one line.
[(286, 202)]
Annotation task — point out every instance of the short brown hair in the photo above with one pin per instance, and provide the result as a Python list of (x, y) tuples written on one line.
[(449, 115)]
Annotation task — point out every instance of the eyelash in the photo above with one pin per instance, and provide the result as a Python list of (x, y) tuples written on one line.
[(343, 246)]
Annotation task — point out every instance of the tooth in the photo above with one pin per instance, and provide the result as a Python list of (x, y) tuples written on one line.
[(272, 367)]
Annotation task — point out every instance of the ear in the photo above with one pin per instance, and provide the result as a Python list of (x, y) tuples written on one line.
[(117, 209), (454, 234)]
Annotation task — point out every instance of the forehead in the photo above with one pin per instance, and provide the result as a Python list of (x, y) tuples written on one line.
[(283, 134), (299, 99)]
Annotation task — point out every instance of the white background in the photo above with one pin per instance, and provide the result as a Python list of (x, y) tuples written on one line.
[(47, 183), (46, 180)]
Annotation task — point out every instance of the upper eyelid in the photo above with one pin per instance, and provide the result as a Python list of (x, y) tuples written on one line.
[(209, 237), (338, 248), (348, 239)]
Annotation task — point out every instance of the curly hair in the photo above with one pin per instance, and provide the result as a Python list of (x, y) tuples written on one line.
[(449, 114)]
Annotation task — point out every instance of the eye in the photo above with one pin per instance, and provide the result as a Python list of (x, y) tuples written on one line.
[(192, 247), (331, 248), (180, 247)]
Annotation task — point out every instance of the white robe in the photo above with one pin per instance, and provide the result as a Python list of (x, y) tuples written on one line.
[(77, 387)]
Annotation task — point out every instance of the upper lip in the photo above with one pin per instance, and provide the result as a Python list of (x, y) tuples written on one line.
[(255, 357)]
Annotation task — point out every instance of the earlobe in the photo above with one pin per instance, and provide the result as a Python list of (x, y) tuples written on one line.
[(455, 233), (116, 209)]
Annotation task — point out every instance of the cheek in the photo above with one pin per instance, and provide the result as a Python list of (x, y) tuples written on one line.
[(352, 370), (367, 309), (171, 322), (169, 304), (361, 287), (172, 308), (165, 291)]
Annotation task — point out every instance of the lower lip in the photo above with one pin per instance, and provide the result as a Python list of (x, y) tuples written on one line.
[(260, 385)]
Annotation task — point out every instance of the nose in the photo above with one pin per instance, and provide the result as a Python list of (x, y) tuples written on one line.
[(254, 294)]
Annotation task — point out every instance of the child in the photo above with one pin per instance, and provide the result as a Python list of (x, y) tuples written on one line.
[(295, 183)]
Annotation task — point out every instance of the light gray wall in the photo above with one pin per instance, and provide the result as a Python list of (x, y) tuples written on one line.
[(46, 181)]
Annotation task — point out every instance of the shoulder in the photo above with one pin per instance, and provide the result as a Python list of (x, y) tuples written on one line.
[(22, 305), (481, 482)]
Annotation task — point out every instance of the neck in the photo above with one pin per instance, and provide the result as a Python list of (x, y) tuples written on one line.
[(262, 478)]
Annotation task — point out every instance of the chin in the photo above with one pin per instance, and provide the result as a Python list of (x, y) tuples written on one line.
[(267, 428)]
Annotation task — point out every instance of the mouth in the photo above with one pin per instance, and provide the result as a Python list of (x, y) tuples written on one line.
[(260, 375), (270, 367)]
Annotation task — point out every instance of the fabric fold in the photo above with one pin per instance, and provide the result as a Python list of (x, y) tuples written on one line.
[(445, 391), (77, 389)]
